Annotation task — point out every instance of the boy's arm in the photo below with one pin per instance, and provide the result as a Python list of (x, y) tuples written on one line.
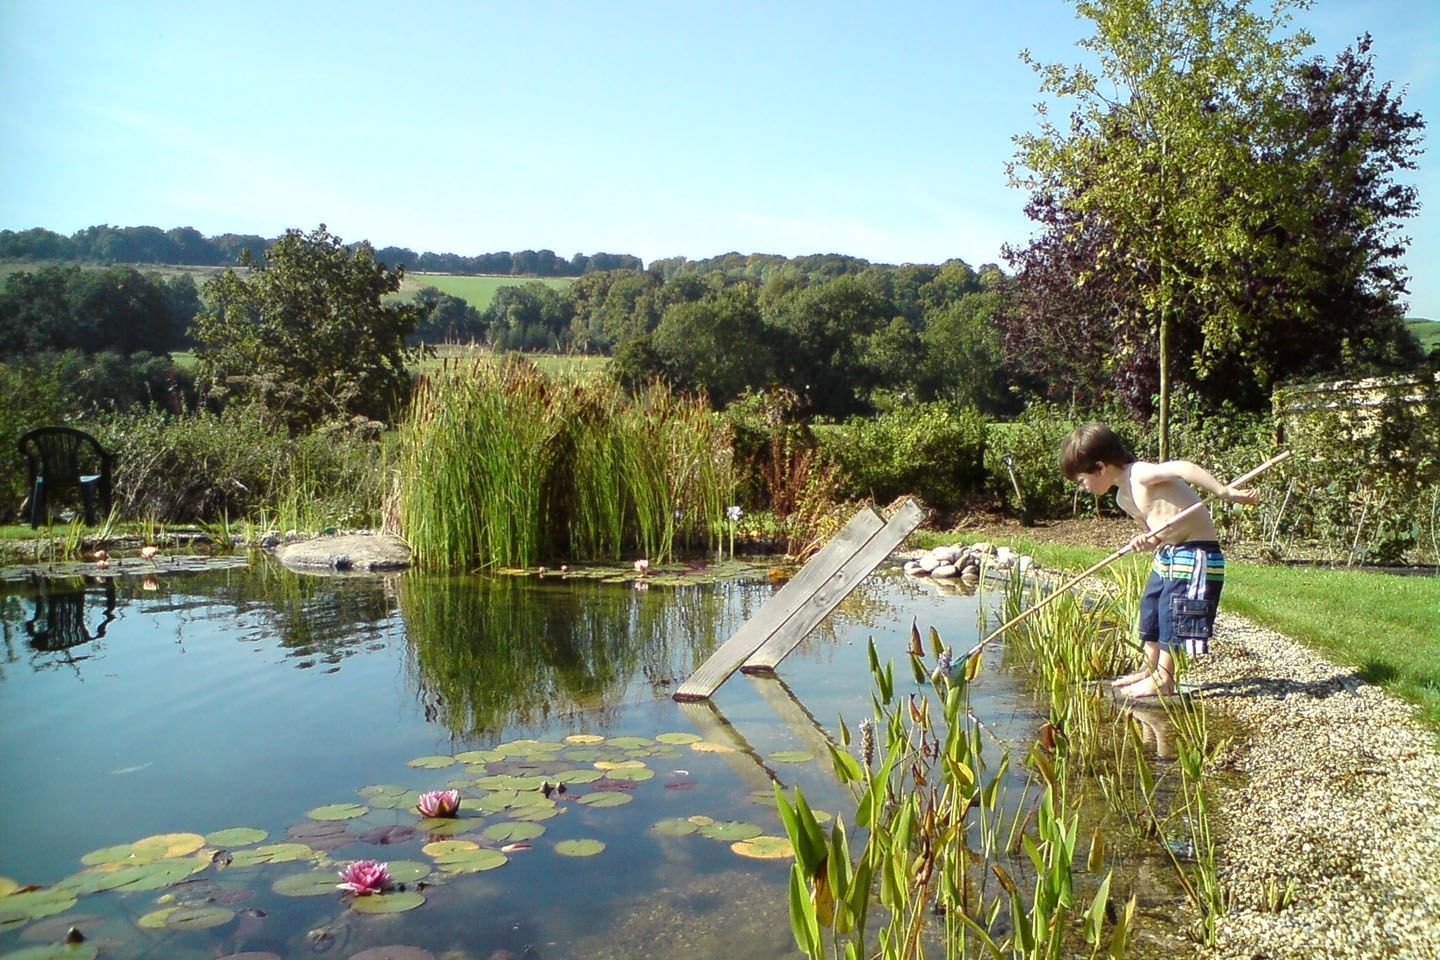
[(1193, 474)]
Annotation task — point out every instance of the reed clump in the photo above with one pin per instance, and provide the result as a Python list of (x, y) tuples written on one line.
[(501, 466)]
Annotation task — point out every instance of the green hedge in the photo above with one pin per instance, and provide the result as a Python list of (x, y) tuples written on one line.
[(933, 450)]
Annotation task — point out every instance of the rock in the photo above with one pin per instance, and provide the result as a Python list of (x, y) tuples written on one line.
[(362, 553), (946, 571), (1024, 562), (946, 554), (983, 549), (928, 563), (913, 569)]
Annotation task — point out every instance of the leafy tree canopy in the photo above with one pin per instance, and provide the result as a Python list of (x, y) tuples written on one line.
[(308, 331)]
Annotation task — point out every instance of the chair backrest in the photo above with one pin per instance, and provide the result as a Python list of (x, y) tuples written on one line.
[(63, 454)]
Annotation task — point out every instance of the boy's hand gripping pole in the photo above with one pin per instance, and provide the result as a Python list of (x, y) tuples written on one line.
[(1238, 481)]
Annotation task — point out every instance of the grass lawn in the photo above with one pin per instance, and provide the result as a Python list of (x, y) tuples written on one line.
[(1386, 626), (476, 291), (1427, 331)]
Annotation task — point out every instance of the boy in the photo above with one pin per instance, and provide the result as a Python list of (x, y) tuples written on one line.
[(1181, 596)]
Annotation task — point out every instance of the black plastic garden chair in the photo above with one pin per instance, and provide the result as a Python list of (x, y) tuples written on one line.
[(63, 458)]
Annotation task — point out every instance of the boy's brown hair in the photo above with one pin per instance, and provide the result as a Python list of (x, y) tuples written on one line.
[(1090, 447)]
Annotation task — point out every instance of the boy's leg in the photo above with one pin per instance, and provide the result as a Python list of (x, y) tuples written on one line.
[(1152, 656), (1160, 682), (1148, 625)]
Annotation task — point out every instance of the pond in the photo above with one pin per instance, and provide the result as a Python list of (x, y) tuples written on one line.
[(189, 759)]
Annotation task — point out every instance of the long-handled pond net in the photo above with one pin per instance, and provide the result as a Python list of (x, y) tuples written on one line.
[(1128, 548)]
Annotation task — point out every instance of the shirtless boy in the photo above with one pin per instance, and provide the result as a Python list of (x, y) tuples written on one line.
[(1182, 594)]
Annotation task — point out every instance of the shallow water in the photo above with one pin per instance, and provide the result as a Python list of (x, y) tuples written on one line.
[(131, 707)]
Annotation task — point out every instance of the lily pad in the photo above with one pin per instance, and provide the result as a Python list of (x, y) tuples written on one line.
[(120, 853), (167, 845), (730, 830), (585, 754), (675, 828), (56, 951), (638, 773), (478, 756), (678, 737), (532, 814), (153, 876), (710, 746), (629, 743), (311, 884), (475, 861), (764, 847), (440, 850), (579, 776), (338, 811), (272, 853), (395, 833), (443, 826), (791, 756), (393, 952), (584, 738), (607, 799), (396, 902), (430, 763), (619, 764), (512, 831), (198, 917), (579, 848), (236, 837), (7, 886), (34, 904), (378, 791), (408, 871)]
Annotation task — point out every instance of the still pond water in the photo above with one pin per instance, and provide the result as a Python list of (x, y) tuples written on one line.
[(308, 710)]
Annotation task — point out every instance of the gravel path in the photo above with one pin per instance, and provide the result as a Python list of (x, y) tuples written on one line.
[(1340, 792)]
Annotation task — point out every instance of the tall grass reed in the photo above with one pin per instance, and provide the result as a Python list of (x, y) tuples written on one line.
[(502, 467)]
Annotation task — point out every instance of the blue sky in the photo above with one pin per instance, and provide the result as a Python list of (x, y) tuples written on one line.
[(879, 130)]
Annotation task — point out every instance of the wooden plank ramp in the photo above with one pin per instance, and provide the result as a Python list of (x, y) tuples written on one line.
[(716, 728), (852, 572), (803, 602)]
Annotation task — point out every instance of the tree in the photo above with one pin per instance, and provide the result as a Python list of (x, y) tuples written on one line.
[(1301, 278), (445, 318), (822, 331), (716, 345), (308, 331), (1168, 164)]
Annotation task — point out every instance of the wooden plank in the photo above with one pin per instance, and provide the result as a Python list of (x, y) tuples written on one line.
[(847, 577), (741, 757), (798, 720), (815, 575)]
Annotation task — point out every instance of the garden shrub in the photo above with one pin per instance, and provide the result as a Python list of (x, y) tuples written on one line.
[(1032, 444), (240, 465), (933, 450)]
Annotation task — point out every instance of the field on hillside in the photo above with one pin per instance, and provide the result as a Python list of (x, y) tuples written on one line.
[(476, 291), (555, 366), (1428, 332)]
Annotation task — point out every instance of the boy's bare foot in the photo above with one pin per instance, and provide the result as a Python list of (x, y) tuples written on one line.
[(1130, 678), (1146, 687)]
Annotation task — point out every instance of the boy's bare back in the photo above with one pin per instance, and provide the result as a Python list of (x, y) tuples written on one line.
[(1152, 493)]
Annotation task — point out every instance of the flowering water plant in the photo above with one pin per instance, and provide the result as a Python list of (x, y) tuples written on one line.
[(364, 877), (439, 803)]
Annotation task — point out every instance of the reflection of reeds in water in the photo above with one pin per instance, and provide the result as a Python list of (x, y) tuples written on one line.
[(490, 653), (502, 467)]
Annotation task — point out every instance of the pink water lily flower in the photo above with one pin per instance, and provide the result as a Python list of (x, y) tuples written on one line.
[(642, 567), (364, 877), (439, 803), (148, 553)]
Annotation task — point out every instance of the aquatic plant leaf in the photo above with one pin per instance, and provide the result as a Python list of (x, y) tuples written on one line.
[(478, 756), (701, 820), (7, 886), (338, 811), (396, 902), (675, 828), (607, 799), (580, 776), (730, 830), (709, 746), (678, 737), (56, 951), (408, 871), (579, 848), (101, 877), (791, 756), (273, 853), (637, 774), (34, 904), (155, 919), (444, 826), (392, 952), (375, 791), (433, 762), (153, 876), (475, 861), (584, 738), (440, 850), (164, 845), (236, 837), (311, 884), (120, 853), (764, 847), (395, 833), (629, 743), (512, 831), (585, 754), (531, 814)]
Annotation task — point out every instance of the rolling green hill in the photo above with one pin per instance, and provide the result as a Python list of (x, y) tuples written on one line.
[(476, 291)]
